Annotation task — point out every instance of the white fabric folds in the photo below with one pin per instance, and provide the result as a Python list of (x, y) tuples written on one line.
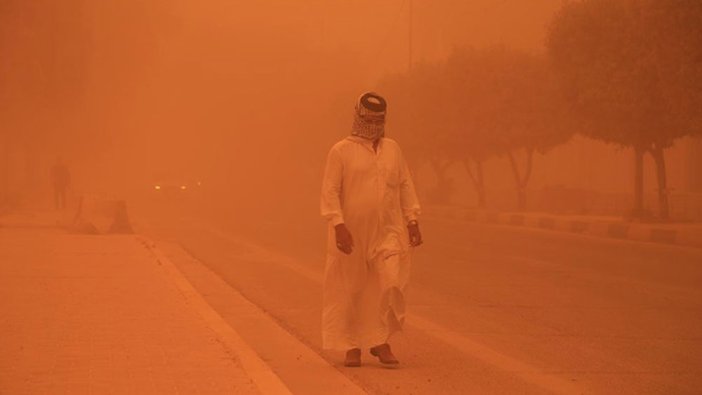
[(373, 195)]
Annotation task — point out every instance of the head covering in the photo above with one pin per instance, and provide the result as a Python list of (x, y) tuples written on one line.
[(369, 118)]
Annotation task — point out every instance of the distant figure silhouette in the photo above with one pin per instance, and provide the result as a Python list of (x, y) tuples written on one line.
[(61, 179)]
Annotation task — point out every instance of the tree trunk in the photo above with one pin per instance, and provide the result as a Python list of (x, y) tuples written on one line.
[(658, 154), (638, 182), (443, 183), (477, 178), (4, 173), (521, 181), (481, 183), (32, 184)]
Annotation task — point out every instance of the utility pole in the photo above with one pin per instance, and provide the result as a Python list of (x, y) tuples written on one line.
[(323, 28), (410, 32)]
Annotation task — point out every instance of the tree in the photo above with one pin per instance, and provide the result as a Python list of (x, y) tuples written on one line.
[(479, 104), (417, 116), (470, 141), (505, 100), (630, 71)]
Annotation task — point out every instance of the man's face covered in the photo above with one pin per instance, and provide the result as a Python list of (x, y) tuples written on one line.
[(369, 119)]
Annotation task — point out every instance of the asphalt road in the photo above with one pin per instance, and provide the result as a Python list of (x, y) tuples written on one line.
[(494, 309)]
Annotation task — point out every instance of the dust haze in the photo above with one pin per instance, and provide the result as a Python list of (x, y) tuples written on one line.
[(245, 97), (555, 147)]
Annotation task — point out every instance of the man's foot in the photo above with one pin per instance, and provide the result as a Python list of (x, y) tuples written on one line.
[(384, 354), (353, 358)]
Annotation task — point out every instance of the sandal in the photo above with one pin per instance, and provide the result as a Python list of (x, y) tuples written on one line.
[(353, 358), (384, 354)]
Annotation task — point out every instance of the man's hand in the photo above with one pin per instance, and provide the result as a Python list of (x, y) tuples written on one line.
[(344, 241), (415, 236)]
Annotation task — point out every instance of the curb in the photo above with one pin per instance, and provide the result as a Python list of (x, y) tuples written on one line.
[(258, 371), (681, 235)]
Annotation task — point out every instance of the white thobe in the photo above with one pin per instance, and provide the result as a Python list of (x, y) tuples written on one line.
[(372, 193)]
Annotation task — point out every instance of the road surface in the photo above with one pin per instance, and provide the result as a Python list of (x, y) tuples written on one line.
[(493, 309)]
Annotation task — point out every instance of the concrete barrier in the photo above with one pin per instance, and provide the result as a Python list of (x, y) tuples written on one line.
[(618, 230), (516, 219), (491, 217), (546, 223), (690, 236), (639, 233), (121, 223), (679, 234), (97, 215), (664, 235)]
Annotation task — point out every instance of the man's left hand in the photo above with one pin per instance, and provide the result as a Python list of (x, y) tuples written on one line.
[(415, 236)]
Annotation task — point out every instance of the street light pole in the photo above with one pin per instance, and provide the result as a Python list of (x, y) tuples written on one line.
[(410, 31)]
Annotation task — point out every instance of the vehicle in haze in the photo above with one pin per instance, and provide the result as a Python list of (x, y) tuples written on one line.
[(175, 190), (171, 188)]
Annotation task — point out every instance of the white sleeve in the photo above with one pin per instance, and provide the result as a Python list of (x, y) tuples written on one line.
[(408, 195), (330, 202)]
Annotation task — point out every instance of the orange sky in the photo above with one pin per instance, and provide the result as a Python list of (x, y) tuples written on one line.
[(378, 31)]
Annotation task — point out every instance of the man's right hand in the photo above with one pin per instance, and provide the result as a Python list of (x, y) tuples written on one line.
[(344, 241)]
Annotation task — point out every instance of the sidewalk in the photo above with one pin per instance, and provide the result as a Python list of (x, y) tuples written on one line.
[(682, 234), (96, 314)]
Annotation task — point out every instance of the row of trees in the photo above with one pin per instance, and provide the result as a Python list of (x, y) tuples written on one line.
[(631, 71), (477, 105), (626, 72)]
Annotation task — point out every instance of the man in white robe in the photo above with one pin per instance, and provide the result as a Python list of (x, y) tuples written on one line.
[(371, 205)]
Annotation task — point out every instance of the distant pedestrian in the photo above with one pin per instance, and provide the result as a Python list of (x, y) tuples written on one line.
[(61, 179), (370, 202)]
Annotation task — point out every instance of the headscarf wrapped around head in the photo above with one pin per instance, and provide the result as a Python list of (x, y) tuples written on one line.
[(369, 117)]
